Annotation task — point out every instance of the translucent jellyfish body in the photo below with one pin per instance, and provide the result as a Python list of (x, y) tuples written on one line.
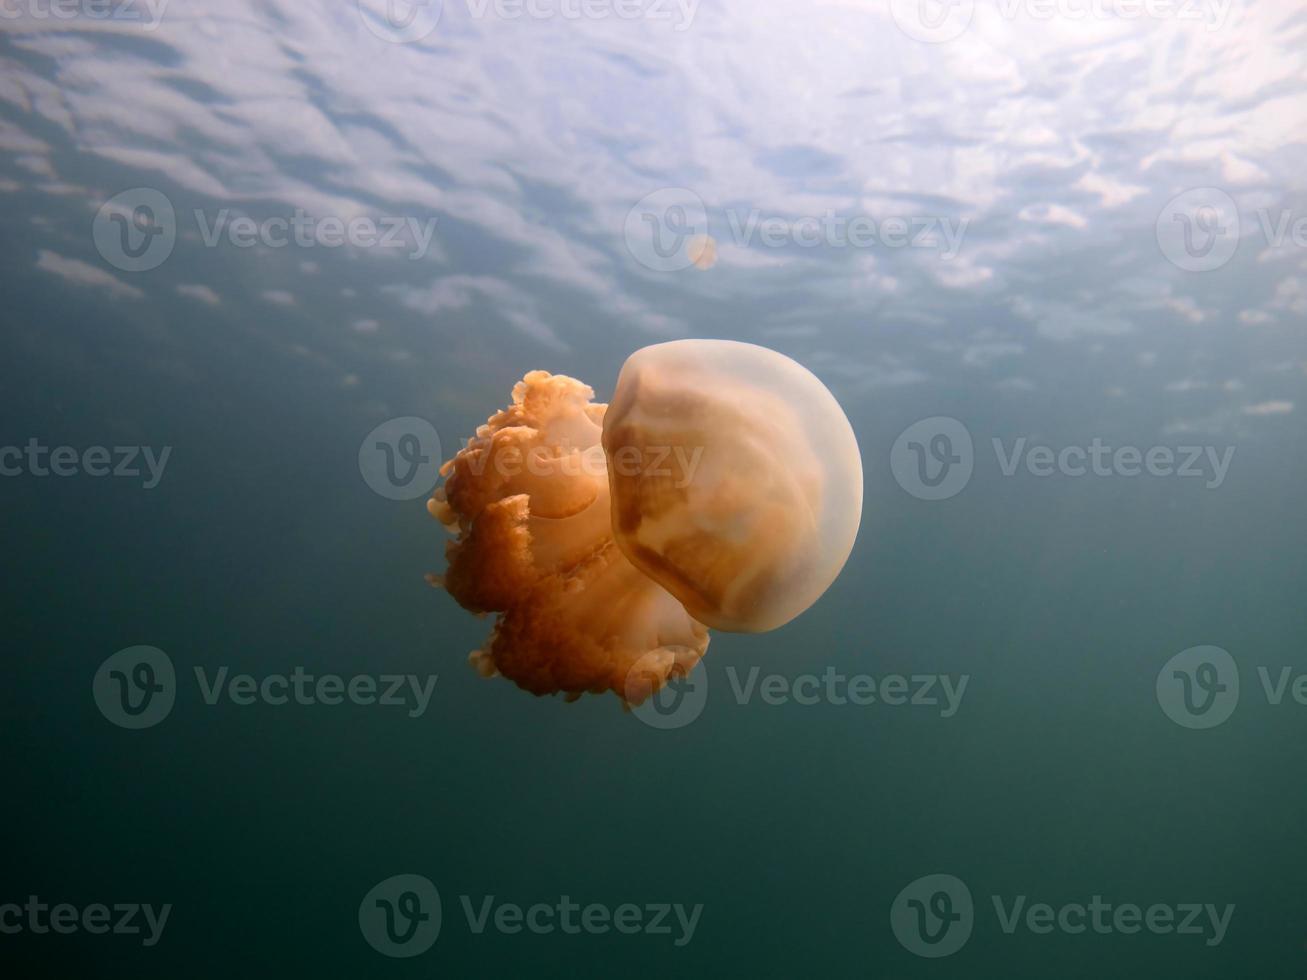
[(757, 506), (722, 487)]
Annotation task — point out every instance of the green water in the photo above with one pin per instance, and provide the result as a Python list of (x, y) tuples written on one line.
[(1023, 622)]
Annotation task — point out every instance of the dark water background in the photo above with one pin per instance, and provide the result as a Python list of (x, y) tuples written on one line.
[(262, 548)]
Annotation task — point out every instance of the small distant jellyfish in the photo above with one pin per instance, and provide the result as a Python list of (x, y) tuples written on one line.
[(721, 487), (702, 251)]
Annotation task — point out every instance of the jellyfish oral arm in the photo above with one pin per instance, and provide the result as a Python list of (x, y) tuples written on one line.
[(528, 503)]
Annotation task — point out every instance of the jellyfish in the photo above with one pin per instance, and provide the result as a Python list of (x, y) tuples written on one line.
[(721, 487)]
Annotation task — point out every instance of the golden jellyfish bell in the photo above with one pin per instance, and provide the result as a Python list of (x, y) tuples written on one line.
[(735, 479)]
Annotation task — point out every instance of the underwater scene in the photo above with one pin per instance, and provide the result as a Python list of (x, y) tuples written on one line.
[(654, 488)]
